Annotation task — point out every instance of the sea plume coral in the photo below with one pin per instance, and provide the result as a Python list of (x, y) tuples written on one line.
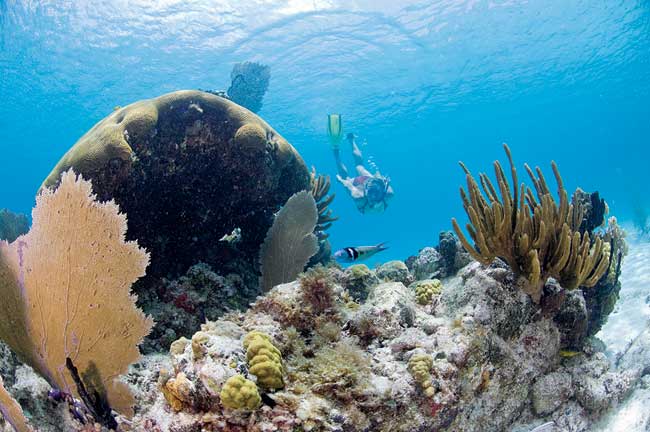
[(537, 236), (320, 187), (66, 294)]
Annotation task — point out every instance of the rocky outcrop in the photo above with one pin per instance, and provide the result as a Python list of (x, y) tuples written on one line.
[(495, 363)]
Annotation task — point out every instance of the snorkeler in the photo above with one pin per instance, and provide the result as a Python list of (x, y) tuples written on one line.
[(370, 192)]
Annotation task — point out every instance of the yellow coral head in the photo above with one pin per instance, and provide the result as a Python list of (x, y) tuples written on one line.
[(240, 393), (264, 360)]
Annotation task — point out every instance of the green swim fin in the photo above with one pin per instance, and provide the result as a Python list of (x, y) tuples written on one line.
[(335, 129)]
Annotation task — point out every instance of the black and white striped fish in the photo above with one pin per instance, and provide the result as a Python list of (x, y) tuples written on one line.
[(358, 253)]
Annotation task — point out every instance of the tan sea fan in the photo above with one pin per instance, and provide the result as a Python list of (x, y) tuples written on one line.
[(66, 290), (12, 412)]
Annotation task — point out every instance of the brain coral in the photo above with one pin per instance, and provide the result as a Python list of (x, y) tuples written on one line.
[(188, 167)]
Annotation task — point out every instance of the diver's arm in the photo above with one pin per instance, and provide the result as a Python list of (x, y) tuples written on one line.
[(349, 185)]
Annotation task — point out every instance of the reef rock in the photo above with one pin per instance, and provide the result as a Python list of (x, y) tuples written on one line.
[(395, 271), (442, 261), (482, 357)]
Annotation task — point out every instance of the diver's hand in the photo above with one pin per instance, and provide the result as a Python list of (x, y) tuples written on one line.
[(347, 182)]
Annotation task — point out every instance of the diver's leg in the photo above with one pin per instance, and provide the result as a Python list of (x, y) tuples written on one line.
[(343, 171), (358, 158)]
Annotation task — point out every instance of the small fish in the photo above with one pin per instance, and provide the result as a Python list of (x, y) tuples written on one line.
[(569, 353), (546, 427), (359, 253), (232, 238)]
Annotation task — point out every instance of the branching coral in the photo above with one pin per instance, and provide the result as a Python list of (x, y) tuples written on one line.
[(66, 292), (537, 236), (320, 186), (264, 360)]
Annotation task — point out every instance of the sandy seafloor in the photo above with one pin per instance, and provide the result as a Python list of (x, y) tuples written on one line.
[(631, 315)]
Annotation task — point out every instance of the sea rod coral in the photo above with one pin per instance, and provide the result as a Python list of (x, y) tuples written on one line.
[(537, 236), (66, 294)]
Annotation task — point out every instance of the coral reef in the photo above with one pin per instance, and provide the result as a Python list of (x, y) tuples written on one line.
[(66, 290), (179, 306), (12, 225), (188, 167), (484, 359), (538, 237), (482, 356)]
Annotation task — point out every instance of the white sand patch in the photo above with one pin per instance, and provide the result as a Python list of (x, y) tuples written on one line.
[(632, 310)]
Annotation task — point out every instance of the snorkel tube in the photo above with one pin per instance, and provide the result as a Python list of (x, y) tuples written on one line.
[(334, 129)]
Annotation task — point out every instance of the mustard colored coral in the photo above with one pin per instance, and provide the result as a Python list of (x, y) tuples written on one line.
[(420, 367), (240, 393), (264, 360), (177, 390), (425, 290)]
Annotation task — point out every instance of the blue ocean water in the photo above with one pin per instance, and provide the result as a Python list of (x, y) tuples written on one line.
[(422, 83)]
